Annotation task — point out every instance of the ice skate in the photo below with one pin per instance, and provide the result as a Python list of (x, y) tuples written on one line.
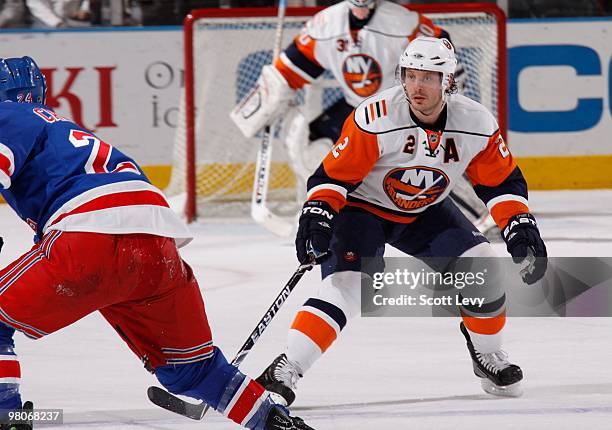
[(280, 379), (279, 419), (498, 376), (20, 425)]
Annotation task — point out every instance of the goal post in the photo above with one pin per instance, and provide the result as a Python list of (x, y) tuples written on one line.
[(224, 50)]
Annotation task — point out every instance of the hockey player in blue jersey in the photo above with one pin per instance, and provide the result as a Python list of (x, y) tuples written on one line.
[(106, 240)]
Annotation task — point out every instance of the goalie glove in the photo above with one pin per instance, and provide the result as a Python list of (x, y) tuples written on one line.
[(315, 232), (268, 99), (525, 245)]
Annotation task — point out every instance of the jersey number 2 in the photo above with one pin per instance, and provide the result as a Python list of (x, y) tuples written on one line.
[(100, 154)]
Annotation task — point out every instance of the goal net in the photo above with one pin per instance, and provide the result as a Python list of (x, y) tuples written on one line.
[(213, 165)]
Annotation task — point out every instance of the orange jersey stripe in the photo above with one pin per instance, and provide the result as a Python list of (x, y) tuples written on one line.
[(334, 198), (489, 326), (426, 27), (505, 210), (353, 156), (493, 165), (294, 80), (316, 328), (306, 45)]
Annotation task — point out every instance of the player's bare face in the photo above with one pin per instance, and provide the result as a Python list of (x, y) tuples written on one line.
[(360, 13), (424, 88)]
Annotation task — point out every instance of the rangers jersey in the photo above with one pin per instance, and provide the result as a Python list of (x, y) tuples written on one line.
[(59, 176), (390, 164), (362, 61)]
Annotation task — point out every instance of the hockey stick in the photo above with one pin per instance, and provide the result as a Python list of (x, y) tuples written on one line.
[(170, 402), (259, 211)]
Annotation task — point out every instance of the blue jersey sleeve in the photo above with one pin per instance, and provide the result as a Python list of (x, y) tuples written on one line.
[(20, 130)]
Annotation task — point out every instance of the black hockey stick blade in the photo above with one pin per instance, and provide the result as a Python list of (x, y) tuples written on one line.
[(165, 400)]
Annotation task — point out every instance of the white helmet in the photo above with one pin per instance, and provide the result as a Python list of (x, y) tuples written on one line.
[(362, 3), (431, 54)]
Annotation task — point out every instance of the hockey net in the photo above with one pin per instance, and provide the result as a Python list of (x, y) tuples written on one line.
[(213, 164)]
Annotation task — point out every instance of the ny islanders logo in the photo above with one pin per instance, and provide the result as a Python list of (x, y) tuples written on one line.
[(411, 188), (362, 74)]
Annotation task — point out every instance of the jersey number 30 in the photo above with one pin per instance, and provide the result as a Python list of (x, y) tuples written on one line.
[(100, 154)]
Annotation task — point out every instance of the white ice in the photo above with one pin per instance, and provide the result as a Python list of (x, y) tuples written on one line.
[(393, 373)]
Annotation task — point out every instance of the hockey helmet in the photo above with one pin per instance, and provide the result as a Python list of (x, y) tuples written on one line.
[(431, 54), (21, 81)]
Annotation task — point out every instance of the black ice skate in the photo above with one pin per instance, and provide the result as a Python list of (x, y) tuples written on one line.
[(280, 379), (498, 376), (20, 425), (279, 419)]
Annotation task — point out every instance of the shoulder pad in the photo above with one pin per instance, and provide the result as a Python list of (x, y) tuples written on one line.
[(470, 116), (329, 23), (383, 112), (393, 20), (17, 111)]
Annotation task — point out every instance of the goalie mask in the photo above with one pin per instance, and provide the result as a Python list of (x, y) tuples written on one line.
[(362, 3), (21, 81), (430, 54)]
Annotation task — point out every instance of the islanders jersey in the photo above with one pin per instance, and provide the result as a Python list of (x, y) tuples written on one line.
[(59, 176), (390, 164), (364, 61)]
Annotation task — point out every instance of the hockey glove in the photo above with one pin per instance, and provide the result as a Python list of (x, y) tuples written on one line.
[(315, 232), (525, 245)]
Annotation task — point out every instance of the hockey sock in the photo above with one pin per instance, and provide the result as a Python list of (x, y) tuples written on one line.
[(485, 333), (222, 386), (10, 371), (320, 320)]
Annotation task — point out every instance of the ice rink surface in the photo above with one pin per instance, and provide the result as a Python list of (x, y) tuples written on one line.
[(393, 373)]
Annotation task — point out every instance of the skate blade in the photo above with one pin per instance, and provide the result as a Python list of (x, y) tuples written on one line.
[(278, 399), (512, 390)]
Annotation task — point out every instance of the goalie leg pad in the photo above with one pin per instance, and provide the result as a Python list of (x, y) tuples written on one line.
[(305, 156), (264, 103)]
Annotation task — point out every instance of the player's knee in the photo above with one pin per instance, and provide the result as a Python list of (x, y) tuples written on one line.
[(343, 290), (483, 259)]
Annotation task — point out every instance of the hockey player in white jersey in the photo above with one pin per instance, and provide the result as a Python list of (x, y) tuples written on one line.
[(372, 190)]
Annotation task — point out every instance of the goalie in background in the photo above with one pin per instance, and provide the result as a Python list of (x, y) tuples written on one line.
[(386, 181), (105, 240)]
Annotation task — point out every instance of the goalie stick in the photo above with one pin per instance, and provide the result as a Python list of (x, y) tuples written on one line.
[(170, 402), (259, 210)]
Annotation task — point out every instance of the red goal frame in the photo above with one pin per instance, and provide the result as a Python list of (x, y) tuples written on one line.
[(188, 27)]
